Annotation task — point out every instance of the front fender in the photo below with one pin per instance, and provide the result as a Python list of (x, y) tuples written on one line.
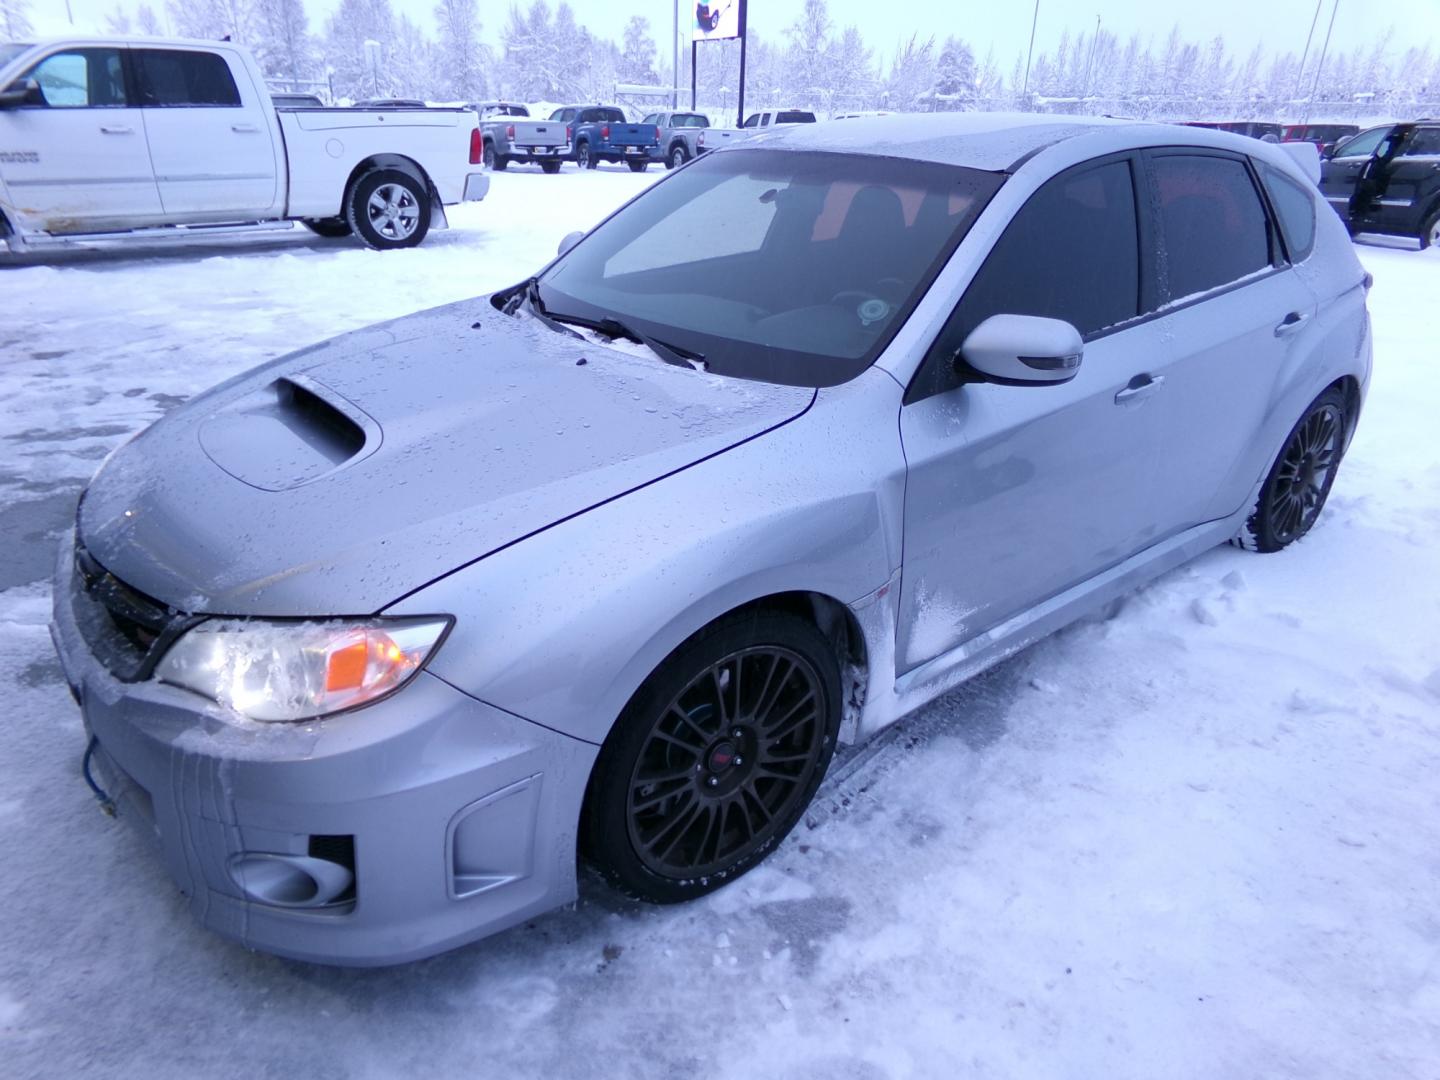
[(563, 627)]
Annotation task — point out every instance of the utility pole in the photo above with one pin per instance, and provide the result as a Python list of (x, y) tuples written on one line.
[(675, 58), (1300, 75), (1025, 90), (1320, 64), (1090, 64)]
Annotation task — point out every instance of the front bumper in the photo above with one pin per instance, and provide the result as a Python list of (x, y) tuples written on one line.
[(461, 817)]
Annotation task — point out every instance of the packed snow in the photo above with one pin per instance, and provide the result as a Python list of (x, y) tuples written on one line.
[(1199, 837)]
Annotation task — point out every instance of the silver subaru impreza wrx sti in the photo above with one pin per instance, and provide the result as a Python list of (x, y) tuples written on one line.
[(378, 639)]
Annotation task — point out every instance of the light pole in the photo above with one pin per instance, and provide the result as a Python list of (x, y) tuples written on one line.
[(1025, 90), (1320, 64), (1090, 64), (1300, 75)]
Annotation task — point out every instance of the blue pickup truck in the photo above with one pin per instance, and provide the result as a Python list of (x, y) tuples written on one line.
[(601, 133)]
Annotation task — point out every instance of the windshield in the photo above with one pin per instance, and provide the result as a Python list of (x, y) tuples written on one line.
[(10, 50), (785, 266)]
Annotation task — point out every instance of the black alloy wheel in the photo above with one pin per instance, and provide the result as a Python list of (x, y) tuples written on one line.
[(1300, 480), (716, 759)]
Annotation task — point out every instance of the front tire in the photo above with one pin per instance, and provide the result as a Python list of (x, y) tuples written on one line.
[(389, 209), (1299, 482), (715, 758)]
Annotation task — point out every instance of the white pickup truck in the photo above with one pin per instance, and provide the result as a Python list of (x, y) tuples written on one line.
[(116, 138)]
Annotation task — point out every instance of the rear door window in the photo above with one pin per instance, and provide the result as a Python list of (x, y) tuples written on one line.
[(175, 78), (1212, 224), (1424, 143)]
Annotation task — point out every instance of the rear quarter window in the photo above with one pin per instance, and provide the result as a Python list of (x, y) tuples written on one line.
[(1295, 207)]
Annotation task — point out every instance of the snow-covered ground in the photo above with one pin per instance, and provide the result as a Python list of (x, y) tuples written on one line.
[(1200, 838)]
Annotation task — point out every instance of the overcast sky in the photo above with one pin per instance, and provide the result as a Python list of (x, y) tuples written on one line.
[(1282, 24)]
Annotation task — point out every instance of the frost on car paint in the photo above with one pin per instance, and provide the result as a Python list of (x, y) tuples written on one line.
[(834, 522)]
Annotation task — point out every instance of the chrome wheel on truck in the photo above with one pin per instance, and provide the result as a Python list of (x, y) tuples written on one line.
[(389, 209)]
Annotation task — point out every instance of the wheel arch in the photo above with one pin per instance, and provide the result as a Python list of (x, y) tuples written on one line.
[(410, 167), (831, 617)]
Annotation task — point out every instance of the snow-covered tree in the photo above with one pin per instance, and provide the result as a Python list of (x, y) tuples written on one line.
[(15, 19), (147, 22), (117, 21), (283, 44), (637, 53), (810, 61), (461, 53), (237, 20), (354, 23), (954, 86)]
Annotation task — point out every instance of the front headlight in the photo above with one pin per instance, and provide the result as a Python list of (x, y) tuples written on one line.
[(268, 670)]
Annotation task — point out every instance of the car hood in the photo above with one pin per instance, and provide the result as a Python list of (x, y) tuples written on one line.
[(340, 478)]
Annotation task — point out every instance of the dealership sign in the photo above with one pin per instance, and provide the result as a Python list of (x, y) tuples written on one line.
[(717, 19)]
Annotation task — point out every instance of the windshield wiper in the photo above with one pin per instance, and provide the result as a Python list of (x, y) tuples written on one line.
[(612, 327), (529, 294)]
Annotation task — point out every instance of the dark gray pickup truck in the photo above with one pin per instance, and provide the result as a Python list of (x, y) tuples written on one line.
[(511, 136)]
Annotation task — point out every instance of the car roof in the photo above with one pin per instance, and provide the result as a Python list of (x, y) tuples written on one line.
[(990, 141)]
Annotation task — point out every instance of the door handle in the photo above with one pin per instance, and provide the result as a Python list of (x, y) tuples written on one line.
[(108, 129), (1290, 323), (1139, 388), (245, 129)]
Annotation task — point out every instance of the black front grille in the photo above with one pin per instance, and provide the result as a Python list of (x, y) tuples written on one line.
[(127, 630)]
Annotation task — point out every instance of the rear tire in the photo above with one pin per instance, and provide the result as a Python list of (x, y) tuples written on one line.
[(678, 157), (715, 758), (637, 166), (487, 156), (332, 228), (389, 209), (1430, 231), (499, 164), (582, 156), (1299, 482), (550, 166)]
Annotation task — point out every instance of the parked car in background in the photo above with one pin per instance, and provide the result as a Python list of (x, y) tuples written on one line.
[(296, 101), (601, 133), (858, 115), (778, 118), (510, 137), (1386, 180), (1325, 136), (910, 395), (1254, 129), (685, 135), (120, 138)]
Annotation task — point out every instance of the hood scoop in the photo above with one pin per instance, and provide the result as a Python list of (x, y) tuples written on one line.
[(288, 433)]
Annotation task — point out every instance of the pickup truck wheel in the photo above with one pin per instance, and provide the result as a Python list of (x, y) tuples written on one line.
[(498, 162), (677, 157), (487, 156), (332, 228), (550, 166), (389, 209), (637, 166), (583, 157)]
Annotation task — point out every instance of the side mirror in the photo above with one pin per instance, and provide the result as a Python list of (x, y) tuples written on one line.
[(569, 241), (21, 92), (1023, 350)]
